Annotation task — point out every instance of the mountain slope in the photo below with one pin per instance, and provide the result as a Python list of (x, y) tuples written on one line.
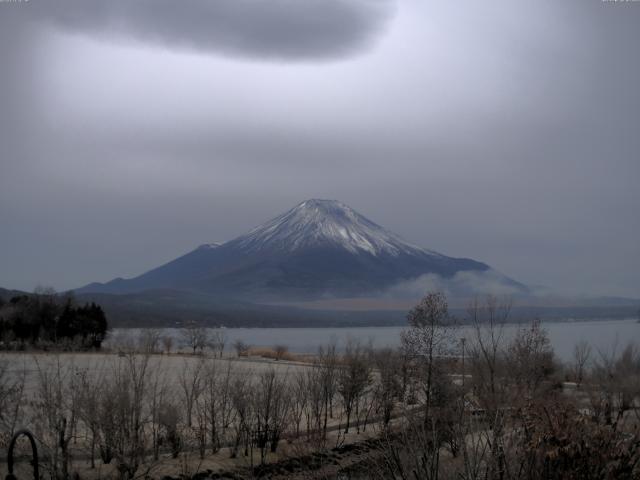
[(317, 249)]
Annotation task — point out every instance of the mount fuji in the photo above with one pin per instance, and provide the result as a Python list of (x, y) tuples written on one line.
[(319, 249)]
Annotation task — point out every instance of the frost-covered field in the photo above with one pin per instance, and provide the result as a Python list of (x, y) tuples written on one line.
[(173, 366), (162, 410)]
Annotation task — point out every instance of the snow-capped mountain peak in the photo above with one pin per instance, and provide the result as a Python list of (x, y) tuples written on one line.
[(330, 223), (317, 249)]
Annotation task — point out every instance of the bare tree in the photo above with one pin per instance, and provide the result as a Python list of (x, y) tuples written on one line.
[(124, 414), (354, 376), (530, 359), (56, 403), (316, 394), (217, 401), (327, 365), (616, 384), (168, 420), (241, 392), (218, 340), (201, 411), (270, 408), (487, 357), (388, 385), (149, 340), (429, 336), (167, 343), (191, 384), (157, 401), (195, 337), (581, 356), (300, 399), (627, 370), (241, 348), (12, 393), (88, 407)]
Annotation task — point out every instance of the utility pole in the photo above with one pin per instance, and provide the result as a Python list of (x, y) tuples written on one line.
[(463, 341)]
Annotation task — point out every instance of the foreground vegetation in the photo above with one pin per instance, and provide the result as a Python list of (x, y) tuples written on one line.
[(490, 406)]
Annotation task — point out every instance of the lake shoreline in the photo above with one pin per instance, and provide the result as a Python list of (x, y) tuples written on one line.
[(602, 334)]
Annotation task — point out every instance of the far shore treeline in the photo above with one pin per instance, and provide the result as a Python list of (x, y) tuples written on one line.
[(46, 320)]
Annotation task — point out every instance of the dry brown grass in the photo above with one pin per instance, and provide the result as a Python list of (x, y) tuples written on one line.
[(273, 354)]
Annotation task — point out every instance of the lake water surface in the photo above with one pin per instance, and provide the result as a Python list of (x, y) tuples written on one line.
[(603, 335)]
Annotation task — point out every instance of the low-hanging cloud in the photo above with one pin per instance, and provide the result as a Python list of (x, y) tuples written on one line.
[(462, 284), (282, 29)]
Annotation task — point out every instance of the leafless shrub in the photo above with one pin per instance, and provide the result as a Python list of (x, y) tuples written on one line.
[(191, 385), (316, 395), (327, 381), (56, 404), (615, 384), (241, 348), (195, 337), (388, 385), (167, 343), (270, 409), (149, 340), (217, 402), (121, 342), (90, 392), (12, 395), (530, 359), (354, 377), (487, 361), (280, 351), (272, 353), (217, 341), (300, 399), (242, 406), (168, 420), (124, 413), (158, 398), (581, 356)]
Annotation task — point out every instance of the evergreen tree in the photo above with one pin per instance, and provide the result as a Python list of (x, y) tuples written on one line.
[(47, 317)]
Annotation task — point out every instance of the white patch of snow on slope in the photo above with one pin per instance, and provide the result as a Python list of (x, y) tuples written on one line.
[(326, 223)]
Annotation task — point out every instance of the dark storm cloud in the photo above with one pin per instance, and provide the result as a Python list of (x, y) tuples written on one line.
[(286, 29)]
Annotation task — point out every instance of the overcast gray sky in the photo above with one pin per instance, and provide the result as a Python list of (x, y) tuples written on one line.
[(506, 131)]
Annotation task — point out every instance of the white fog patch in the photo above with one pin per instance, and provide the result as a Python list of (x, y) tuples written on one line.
[(463, 283)]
